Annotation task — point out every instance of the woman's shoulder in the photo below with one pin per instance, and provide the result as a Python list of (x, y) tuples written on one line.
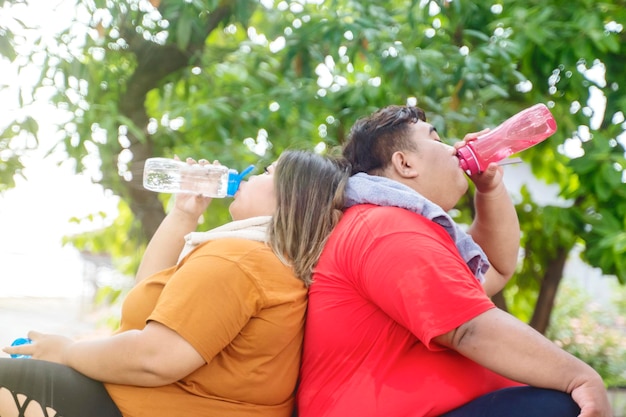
[(232, 247), (251, 261), (233, 253), (254, 258)]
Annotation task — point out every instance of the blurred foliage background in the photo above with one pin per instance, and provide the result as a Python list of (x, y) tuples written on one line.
[(242, 80)]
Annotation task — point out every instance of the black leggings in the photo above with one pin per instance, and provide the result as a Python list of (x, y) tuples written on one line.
[(519, 402), (69, 393)]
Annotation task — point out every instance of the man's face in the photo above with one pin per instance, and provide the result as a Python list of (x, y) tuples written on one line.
[(439, 177)]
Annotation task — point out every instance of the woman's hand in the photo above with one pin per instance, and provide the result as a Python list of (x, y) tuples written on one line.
[(47, 347), (191, 203)]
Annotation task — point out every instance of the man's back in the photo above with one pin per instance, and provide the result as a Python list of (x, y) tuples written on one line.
[(387, 283)]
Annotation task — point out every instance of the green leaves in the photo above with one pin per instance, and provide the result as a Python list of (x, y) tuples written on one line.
[(606, 243), (6, 47), (184, 25), (236, 76)]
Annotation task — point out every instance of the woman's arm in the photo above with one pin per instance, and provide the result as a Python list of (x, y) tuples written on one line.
[(500, 342), (165, 246), (153, 356)]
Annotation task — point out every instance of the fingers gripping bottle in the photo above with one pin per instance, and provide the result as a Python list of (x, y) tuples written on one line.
[(20, 341), (523, 130), (165, 175)]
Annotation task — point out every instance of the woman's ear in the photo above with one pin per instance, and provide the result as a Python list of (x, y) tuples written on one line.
[(403, 166)]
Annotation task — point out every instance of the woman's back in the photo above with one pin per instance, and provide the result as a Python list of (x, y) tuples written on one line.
[(243, 311)]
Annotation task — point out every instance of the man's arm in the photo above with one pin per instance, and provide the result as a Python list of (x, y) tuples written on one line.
[(505, 345), (495, 228)]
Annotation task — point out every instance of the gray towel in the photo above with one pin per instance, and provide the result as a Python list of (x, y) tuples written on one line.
[(371, 189)]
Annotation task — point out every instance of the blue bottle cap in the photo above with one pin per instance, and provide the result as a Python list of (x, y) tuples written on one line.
[(20, 341), (234, 179)]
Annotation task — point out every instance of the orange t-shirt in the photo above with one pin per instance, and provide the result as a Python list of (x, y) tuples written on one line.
[(243, 311)]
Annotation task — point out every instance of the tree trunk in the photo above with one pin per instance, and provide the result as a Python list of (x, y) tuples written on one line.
[(547, 292), (154, 64), (149, 72)]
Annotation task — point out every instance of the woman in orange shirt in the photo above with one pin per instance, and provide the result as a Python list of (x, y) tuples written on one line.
[(214, 330)]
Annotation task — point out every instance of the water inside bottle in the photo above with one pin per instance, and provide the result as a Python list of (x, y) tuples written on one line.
[(160, 180), (208, 180)]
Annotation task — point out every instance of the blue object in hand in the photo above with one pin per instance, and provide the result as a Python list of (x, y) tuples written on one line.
[(20, 341)]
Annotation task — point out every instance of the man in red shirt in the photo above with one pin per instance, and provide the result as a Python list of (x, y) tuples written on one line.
[(399, 319)]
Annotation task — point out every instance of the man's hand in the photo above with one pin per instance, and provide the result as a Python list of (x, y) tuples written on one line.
[(491, 178), (592, 399)]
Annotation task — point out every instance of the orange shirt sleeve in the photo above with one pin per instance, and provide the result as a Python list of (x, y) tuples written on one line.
[(208, 301)]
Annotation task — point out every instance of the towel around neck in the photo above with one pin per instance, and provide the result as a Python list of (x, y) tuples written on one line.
[(381, 191)]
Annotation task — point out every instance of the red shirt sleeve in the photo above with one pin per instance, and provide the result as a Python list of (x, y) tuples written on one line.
[(418, 278)]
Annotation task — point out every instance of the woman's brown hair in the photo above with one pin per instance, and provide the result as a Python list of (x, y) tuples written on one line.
[(310, 197)]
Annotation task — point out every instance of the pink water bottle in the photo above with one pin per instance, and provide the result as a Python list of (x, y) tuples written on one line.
[(523, 130)]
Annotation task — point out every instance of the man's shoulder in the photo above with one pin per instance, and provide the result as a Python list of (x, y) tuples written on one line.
[(373, 209), (366, 221), (384, 214)]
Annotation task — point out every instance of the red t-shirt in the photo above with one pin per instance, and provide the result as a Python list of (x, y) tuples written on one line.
[(387, 283)]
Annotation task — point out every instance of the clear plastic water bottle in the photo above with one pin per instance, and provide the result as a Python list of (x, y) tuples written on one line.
[(164, 175), (20, 341), (523, 130)]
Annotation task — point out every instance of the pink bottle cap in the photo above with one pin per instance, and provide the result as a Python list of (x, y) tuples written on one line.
[(467, 160)]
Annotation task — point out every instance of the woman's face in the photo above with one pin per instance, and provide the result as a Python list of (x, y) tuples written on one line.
[(255, 196)]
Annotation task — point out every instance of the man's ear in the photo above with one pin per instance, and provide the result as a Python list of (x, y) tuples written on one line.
[(403, 166)]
